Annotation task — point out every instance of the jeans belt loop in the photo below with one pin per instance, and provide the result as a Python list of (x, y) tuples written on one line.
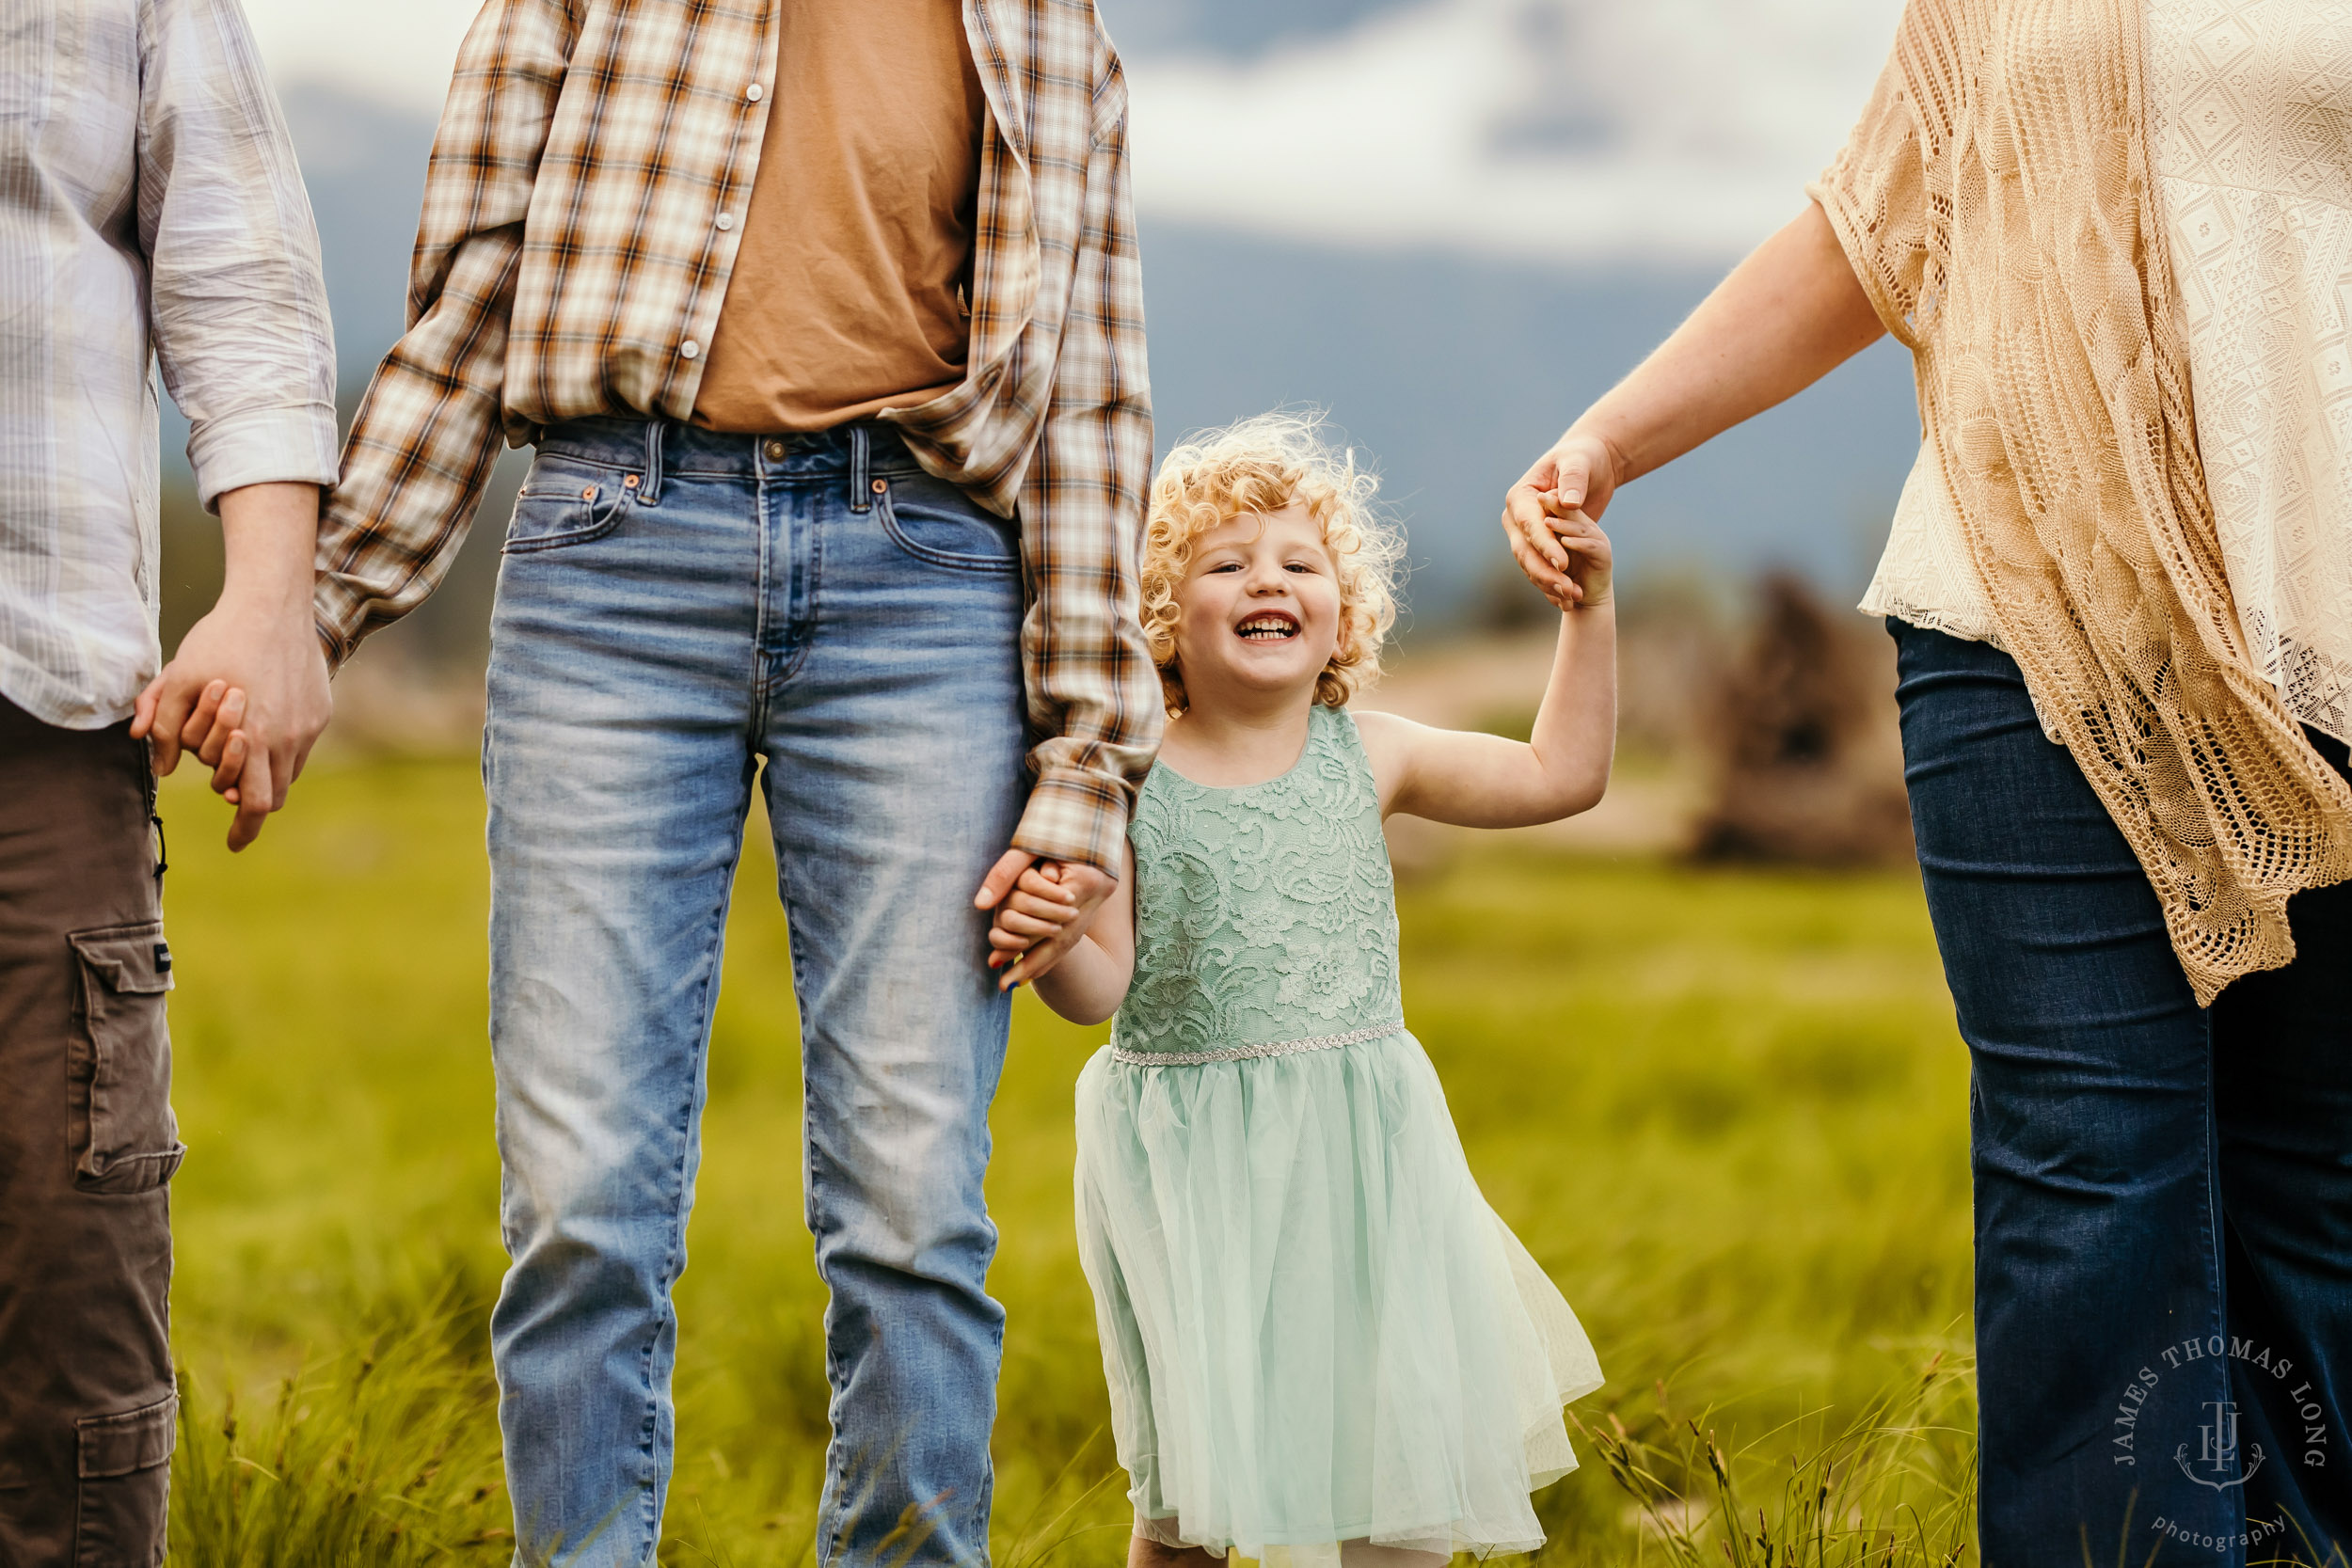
[(649, 493), (859, 499)]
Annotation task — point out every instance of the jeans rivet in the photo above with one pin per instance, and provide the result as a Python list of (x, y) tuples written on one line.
[(630, 483), (589, 494), (882, 486), (775, 451)]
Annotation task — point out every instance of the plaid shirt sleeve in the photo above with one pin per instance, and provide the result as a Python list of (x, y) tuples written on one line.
[(428, 431), (1094, 695)]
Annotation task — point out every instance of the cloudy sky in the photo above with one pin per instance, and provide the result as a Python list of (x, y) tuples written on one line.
[(1572, 130)]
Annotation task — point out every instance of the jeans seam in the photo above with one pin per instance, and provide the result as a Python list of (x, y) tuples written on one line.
[(707, 994), (812, 1182), (2216, 1261), (799, 629), (761, 686), (987, 1501)]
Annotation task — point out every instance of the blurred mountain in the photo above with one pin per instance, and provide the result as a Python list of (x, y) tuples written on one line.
[(1450, 372), (1454, 374), (364, 162)]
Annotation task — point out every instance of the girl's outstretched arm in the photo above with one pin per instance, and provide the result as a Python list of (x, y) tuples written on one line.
[(1484, 781)]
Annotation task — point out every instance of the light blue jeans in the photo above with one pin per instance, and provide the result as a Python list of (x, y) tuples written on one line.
[(677, 608)]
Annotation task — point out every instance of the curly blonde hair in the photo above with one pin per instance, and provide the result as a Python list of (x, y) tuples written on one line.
[(1263, 465)]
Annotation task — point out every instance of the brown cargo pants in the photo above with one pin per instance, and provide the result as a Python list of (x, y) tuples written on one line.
[(87, 1404)]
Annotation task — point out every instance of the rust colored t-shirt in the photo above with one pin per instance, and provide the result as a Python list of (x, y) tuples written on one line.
[(848, 292)]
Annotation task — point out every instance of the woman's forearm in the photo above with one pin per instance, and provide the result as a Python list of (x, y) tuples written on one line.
[(1785, 317), (1789, 315)]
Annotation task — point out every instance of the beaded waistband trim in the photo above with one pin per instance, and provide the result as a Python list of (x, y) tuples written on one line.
[(1247, 1052)]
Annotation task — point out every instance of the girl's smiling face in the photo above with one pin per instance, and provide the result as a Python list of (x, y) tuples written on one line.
[(1260, 606)]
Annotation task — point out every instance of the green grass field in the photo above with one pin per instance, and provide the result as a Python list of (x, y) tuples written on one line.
[(1726, 1109)]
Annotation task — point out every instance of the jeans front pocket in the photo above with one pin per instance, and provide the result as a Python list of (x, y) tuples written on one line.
[(565, 503), (935, 521), (123, 1134), (125, 1485)]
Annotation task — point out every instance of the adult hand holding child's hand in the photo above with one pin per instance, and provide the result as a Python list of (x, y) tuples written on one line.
[(1575, 478), (1042, 908)]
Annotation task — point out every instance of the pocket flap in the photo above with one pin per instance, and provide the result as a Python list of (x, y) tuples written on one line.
[(137, 1440), (132, 960)]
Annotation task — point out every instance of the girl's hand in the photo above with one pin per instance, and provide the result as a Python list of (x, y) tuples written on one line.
[(1590, 560), (1039, 907), (1068, 928)]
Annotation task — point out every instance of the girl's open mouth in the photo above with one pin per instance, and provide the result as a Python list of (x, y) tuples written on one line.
[(1268, 626)]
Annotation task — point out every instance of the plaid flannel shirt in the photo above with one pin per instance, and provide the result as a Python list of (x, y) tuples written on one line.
[(572, 260)]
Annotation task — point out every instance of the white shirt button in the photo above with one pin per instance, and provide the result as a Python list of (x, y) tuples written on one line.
[(688, 349), (755, 92), (725, 221)]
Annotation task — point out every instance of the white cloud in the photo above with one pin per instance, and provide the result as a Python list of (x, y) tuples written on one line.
[(1564, 129), (1570, 130)]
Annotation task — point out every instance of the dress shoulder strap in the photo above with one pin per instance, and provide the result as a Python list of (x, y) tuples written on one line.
[(1333, 734)]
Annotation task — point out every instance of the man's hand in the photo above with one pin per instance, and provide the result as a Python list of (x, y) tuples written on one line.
[(1577, 475), (247, 691), (1042, 909)]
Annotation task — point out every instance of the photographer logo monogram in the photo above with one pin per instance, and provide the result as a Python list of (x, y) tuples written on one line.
[(2154, 1421), (2205, 1443), (2220, 1451)]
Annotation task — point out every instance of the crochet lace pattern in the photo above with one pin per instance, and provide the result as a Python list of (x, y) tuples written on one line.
[(1995, 201)]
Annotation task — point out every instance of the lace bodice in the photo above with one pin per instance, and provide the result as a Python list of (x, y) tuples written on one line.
[(1265, 914)]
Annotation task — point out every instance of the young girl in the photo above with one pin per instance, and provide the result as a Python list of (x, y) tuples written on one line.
[(1323, 1346)]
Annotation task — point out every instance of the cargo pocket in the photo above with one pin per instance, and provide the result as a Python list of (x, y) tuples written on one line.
[(125, 1487), (119, 1079)]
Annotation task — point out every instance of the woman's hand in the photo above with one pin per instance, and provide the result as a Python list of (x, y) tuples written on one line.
[(1787, 316), (1577, 475)]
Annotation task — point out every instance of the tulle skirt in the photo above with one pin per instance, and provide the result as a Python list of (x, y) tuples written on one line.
[(1314, 1329)]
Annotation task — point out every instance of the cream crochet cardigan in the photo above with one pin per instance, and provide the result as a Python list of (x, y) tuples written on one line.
[(1995, 201)]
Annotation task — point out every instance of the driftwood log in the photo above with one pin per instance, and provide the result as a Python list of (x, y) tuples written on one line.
[(1805, 760)]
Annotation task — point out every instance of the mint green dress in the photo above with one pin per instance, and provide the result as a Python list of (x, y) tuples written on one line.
[(1316, 1330)]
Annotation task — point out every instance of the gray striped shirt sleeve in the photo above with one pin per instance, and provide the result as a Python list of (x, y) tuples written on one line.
[(239, 303)]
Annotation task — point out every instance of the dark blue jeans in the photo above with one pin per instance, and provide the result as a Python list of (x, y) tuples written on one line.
[(2163, 1193)]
